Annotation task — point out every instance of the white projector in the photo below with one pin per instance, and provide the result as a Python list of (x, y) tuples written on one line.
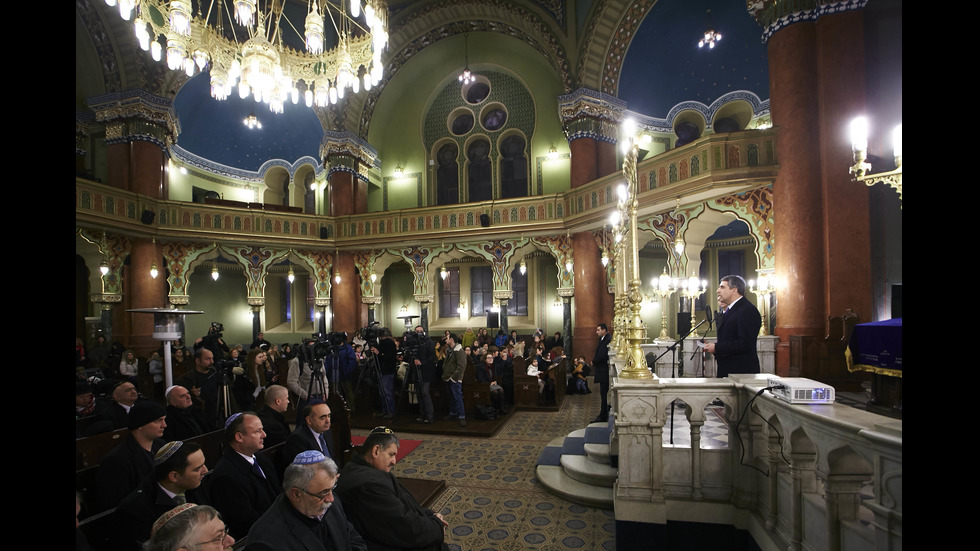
[(797, 390)]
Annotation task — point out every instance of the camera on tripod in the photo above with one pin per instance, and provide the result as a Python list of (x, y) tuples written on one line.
[(410, 345)]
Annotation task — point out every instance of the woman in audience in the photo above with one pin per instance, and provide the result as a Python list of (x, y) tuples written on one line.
[(486, 372), (129, 367)]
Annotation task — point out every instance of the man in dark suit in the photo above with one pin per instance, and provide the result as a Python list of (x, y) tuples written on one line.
[(306, 517), (123, 468), (313, 434), (178, 473), (738, 330), (600, 367), (244, 483)]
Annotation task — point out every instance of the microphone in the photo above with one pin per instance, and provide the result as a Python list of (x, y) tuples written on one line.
[(709, 316)]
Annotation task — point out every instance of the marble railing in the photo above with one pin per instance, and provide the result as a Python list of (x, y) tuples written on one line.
[(718, 163), (793, 476), (667, 365)]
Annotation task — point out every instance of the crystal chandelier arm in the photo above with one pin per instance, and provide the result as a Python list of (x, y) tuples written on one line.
[(347, 21)]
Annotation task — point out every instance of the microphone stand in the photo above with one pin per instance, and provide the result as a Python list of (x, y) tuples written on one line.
[(673, 370)]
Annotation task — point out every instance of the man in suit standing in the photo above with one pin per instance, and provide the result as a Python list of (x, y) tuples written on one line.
[(244, 483), (738, 330), (600, 367)]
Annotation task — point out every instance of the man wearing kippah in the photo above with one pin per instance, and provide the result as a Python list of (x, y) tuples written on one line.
[(306, 516), (244, 482), (178, 472), (122, 469), (380, 508)]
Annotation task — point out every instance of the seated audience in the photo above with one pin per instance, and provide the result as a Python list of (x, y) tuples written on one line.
[(244, 482), (380, 508), (273, 415), (123, 468), (178, 472), (190, 527), (183, 420), (306, 515)]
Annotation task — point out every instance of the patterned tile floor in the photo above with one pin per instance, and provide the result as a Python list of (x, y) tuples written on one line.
[(494, 501)]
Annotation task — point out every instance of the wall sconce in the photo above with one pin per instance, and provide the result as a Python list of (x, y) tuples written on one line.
[(552, 153), (373, 276), (462, 307), (399, 172), (336, 278), (104, 267), (859, 146), (403, 310), (557, 302)]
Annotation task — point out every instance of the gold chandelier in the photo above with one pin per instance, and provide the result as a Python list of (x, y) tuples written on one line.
[(243, 45)]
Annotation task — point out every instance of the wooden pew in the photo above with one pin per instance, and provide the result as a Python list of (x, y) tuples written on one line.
[(475, 393)]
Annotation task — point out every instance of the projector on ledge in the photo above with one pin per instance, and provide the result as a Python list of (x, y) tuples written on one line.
[(797, 390)]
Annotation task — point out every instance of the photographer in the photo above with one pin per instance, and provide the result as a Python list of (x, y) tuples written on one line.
[(299, 378), (387, 353), (212, 341), (425, 360)]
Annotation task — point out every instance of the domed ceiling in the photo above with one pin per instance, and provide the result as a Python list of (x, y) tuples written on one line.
[(663, 67)]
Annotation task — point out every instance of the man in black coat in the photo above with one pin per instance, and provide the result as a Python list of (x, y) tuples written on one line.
[(123, 468), (426, 363), (738, 330), (183, 420), (244, 483), (306, 517), (380, 508), (273, 415), (600, 367), (178, 473)]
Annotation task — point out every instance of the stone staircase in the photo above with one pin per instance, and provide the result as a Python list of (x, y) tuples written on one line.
[(578, 467)]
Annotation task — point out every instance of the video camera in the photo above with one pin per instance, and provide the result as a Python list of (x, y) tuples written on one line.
[(371, 334), (217, 329), (410, 344), (322, 345)]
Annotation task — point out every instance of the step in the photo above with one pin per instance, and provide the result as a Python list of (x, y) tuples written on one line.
[(598, 453), (560, 484), (581, 468)]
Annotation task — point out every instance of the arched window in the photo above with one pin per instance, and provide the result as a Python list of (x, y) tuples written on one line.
[(479, 179), (447, 175), (513, 167)]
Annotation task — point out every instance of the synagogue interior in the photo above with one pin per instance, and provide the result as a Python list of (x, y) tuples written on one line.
[(531, 165)]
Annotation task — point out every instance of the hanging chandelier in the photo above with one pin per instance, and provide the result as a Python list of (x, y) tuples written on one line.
[(242, 43), (466, 76), (710, 36)]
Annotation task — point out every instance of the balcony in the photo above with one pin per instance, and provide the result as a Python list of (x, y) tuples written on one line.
[(714, 166)]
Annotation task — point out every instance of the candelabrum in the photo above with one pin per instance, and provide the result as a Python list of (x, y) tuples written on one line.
[(763, 288), (663, 287), (693, 288), (636, 367)]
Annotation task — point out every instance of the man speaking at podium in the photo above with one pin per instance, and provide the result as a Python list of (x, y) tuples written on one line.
[(738, 329)]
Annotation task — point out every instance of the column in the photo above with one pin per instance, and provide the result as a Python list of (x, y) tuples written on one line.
[(139, 128), (345, 296), (794, 106)]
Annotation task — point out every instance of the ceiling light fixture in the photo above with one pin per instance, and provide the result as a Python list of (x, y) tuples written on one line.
[(260, 62)]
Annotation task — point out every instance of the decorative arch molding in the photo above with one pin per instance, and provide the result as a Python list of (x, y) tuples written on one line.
[(759, 107), (181, 258), (755, 208), (428, 26), (320, 264), (607, 40), (560, 246)]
